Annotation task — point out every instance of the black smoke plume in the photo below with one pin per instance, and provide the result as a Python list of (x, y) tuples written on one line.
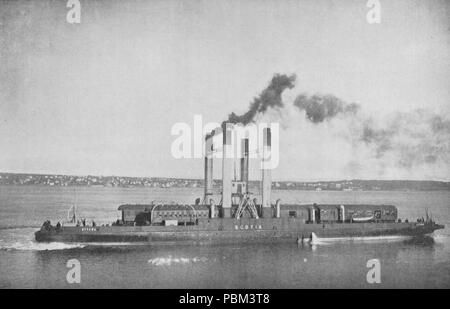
[(405, 140), (319, 108), (270, 97), (416, 138), (380, 138), (408, 140)]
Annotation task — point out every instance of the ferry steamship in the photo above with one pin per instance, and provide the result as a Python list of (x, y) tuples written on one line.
[(238, 216)]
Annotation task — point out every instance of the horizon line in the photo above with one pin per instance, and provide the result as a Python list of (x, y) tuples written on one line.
[(190, 178)]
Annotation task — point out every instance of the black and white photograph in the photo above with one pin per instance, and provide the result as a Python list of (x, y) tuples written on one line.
[(225, 144)]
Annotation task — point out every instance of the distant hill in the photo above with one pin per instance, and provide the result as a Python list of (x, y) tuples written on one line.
[(413, 185), (162, 182)]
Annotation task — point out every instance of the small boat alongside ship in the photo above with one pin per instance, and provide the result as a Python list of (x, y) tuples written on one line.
[(238, 216)]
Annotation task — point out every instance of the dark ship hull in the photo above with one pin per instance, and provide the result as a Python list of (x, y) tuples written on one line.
[(232, 231)]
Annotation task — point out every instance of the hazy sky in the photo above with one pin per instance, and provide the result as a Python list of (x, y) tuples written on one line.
[(100, 97)]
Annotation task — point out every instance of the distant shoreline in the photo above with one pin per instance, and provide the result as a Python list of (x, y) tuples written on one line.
[(200, 188), (48, 180)]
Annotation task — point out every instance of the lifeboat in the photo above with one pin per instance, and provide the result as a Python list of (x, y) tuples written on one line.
[(363, 219)]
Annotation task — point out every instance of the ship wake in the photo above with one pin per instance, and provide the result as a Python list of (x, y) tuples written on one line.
[(169, 260), (22, 239)]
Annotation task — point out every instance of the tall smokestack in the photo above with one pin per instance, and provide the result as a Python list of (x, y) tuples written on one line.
[(266, 175), (208, 167), (227, 170), (244, 163)]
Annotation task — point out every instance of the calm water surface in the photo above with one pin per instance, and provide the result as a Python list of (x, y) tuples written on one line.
[(27, 264)]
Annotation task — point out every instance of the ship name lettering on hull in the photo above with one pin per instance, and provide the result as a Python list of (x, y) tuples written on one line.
[(248, 227)]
